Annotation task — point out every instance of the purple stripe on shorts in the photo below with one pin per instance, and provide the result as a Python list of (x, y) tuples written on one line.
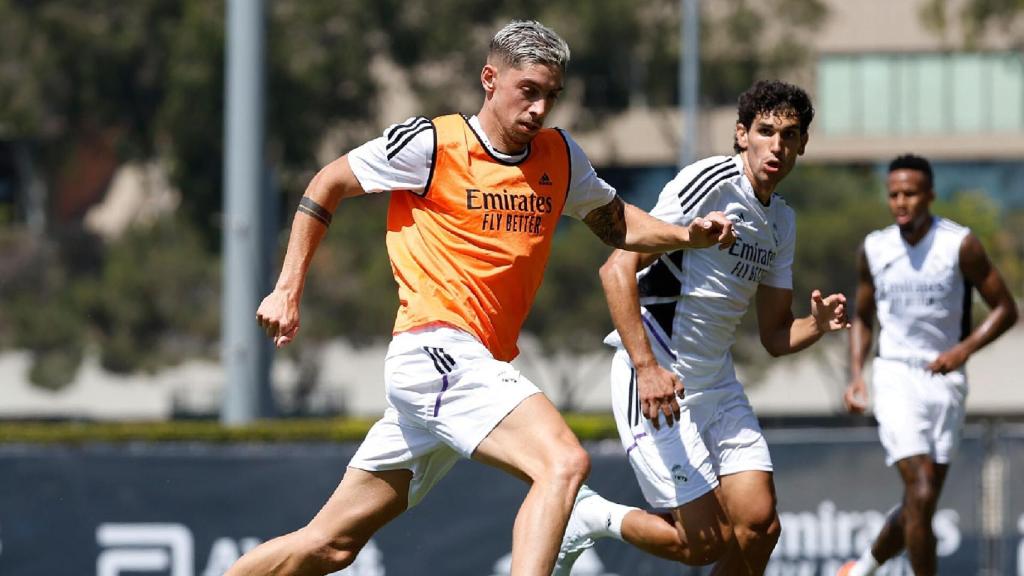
[(656, 335), (635, 438), (437, 403)]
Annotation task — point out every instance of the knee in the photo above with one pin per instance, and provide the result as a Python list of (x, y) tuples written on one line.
[(762, 530), (325, 553), (572, 467), (920, 500)]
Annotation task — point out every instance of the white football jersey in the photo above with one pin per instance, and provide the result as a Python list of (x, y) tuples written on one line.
[(922, 299), (692, 300)]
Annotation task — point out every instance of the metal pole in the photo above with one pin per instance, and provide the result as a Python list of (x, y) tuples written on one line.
[(245, 349), (689, 79)]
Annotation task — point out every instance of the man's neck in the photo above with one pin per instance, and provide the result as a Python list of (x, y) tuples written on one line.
[(917, 230), (496, 136)]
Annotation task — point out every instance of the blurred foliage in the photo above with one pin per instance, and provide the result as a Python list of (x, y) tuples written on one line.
[(1003, 241), (835, 209), (976, 17), (149, 74), (570, 312), (156, 300), (350, 289), (153, 300)]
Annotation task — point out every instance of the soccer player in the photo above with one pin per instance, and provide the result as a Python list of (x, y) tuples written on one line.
[(700, 456), (916, 276), (472, 213)]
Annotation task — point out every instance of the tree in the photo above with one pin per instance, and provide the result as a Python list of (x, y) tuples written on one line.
[(144, 81), (977, 17)]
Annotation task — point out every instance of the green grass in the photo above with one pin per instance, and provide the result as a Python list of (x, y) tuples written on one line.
[(586, 426)]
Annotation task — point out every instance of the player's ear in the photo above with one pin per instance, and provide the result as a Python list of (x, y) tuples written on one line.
[(803, 142), (741, 136), (488, 77)]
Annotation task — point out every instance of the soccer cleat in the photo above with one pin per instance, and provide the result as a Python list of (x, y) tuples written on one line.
[(576, 539), (845, 569)]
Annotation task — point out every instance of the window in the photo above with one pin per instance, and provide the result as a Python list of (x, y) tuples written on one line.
[(920, 94)]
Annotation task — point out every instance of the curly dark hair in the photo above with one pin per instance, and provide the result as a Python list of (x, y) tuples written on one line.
[(913, 162), (767, 96)]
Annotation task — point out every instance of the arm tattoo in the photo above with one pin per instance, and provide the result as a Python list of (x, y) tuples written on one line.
[(309, 207), (609, 223)]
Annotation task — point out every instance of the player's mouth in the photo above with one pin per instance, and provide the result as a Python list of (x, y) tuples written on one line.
[(772, 166), (530, 126)]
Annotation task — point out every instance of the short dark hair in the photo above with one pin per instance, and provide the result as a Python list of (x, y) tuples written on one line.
[(913, 162), (767, 96)]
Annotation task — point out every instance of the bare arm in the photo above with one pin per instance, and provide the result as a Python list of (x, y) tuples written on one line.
[(781, 333), (624, 226), (278, 314), (856, 396), (657, 387), (979, 271)]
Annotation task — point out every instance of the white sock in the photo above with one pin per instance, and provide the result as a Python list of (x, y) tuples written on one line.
[(602, 518), (866, 564)]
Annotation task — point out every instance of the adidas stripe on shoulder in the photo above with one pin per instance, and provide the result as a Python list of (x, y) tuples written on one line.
[(705, 181), (399, 135)]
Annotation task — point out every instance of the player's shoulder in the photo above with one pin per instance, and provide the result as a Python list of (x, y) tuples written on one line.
[(561, 136), (882, 237), (947, 226), (412, 124), (779, 204), (416, 133), (712, 167), (696, 181)]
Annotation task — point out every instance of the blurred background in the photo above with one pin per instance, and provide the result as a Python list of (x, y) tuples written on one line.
[(114, 290)]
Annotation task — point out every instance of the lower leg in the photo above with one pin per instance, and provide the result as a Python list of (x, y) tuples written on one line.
[(909, 525), (923, 480), (732, 562), (540, 523), (919, 538), (534, 443), (889, 541), (362, 503), (696, 533), (887, 544)]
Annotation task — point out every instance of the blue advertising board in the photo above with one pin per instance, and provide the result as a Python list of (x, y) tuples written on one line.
[(192, 509)]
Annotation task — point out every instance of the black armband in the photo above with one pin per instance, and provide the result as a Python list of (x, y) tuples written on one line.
[(309, 207)]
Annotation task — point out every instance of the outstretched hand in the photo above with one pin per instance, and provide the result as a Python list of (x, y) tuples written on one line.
[(278, 316), (712, 229), (830, 312)]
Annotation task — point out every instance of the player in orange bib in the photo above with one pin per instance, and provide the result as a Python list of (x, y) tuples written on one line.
[(474, 205)]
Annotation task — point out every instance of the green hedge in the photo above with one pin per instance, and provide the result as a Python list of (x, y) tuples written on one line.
[(587, 427)]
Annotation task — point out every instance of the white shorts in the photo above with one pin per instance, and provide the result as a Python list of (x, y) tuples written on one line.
[(717, 435), (445, 394), (918, 412)]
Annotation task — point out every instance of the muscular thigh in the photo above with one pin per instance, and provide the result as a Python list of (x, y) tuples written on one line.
[(748, 497), (362, 503), (529, 440)]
